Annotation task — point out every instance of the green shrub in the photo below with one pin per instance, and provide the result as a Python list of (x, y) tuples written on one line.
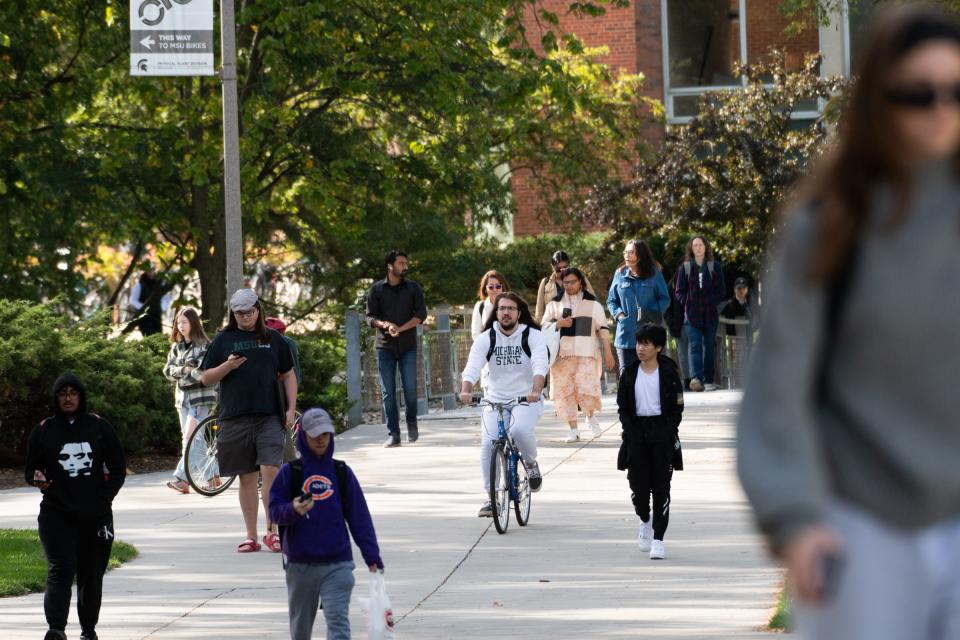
[(454, 278), (124, 378), (323, 358)]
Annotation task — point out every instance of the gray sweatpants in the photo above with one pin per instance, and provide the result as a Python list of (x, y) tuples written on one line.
[(892, 584), (307, 584)]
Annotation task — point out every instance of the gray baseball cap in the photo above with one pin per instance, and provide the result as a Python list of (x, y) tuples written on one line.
[(243, 300), (316, 422)]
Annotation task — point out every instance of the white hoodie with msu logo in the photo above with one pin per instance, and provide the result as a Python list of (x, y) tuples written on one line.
[(511, 369)]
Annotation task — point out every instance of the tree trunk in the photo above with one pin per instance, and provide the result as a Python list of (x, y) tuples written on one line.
[(210, 259)]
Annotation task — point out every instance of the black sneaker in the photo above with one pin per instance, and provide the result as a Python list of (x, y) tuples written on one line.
[(89, 635), (392, 441), (53, 634), (412, 433), (486, 511), (533, 472)]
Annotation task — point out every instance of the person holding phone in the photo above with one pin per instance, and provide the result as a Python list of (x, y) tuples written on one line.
[(576, 372), (318, 503), (848, 439), (246, 359), (638, 294)]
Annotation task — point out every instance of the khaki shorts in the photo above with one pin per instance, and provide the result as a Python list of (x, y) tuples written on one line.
[(246, 442)]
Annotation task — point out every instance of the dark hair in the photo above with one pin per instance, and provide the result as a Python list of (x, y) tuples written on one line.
[(392, 256), (571, 271), (263, 336), (559, 256), (653, 334), (866, 154), (524, 317), (646, 265), (708, 255), (197, 334), (482, 292)]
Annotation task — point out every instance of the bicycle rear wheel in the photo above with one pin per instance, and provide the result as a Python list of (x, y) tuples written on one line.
[(200, 460), (500, 488), (521, 503)]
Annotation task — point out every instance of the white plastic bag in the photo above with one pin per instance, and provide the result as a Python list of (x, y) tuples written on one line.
[(379, 612)]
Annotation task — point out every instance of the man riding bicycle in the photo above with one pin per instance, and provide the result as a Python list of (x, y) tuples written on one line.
[(512, 346)]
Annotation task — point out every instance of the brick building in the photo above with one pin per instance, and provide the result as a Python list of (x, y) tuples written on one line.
[(684, 48)]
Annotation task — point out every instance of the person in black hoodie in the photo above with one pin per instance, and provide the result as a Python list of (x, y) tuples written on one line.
[(75, 458), (650, 403)]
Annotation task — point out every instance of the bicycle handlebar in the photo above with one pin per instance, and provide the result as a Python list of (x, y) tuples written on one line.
[(480, 401)]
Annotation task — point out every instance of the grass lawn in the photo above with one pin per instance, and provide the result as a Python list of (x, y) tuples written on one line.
[(23, 567), (781, 617)]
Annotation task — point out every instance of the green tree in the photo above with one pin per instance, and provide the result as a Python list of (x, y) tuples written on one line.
[(726, 172), (365, 124)]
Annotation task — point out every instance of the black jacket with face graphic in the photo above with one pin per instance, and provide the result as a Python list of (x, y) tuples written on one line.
[(82, 458)]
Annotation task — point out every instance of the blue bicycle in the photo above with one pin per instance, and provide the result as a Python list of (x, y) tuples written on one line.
[(508, 474)]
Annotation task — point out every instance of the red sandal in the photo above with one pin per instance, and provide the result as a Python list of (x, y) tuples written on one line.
[(272, 542), (179, 486), (248, 546)]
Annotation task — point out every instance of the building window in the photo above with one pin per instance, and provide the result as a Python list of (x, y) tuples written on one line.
[(704, 41), (859, 17)]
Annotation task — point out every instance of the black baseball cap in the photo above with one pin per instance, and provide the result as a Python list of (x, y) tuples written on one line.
[(741, 282)]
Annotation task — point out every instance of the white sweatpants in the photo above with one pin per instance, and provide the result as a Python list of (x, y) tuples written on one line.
[(520, 421), (892, 584)]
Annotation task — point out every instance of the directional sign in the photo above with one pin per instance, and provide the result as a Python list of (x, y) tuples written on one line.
[(171, 38)]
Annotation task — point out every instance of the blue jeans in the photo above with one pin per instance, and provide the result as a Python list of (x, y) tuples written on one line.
[(387, 363), (310, 583), (702, 351), (626, 357)]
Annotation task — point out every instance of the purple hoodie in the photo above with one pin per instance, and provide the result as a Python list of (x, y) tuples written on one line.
[(322, 537)]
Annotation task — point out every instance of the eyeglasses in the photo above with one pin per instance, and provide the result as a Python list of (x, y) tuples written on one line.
[(925, 97), (68, 393), (511, 309), (494, 286), (570, 283), (630, 252), (245, 314)]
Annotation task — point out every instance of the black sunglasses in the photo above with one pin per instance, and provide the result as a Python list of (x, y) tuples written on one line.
[(924, 97)]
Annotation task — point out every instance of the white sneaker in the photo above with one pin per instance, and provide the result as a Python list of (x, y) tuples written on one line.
[(709, 387), (657, 551), (573, 436), (595, 426), (645, 535)]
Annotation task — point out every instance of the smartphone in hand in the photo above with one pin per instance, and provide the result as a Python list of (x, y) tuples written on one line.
[(567, 312)]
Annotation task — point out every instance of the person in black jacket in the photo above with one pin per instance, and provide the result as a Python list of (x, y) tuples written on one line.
[(650, 403), (75, 458)]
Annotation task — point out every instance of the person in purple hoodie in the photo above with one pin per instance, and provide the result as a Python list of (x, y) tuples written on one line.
[(314, 500)]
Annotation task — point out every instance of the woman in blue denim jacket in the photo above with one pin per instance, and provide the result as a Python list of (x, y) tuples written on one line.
[(637, 285)]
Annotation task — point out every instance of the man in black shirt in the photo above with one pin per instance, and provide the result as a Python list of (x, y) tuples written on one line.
[(246, 358), (395, 307)]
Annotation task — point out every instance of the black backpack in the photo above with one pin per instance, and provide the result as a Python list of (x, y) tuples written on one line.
[(524, 343)]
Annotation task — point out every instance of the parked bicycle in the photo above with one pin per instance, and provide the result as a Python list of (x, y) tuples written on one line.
[(508, 474), (200, 458)]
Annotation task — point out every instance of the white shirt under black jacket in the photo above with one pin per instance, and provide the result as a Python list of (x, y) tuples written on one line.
[(511, 370), (646, 393)]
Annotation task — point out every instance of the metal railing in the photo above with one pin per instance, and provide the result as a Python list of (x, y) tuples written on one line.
[(443, 345)]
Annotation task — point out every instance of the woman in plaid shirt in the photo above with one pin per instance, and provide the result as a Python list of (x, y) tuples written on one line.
[(193, 400)]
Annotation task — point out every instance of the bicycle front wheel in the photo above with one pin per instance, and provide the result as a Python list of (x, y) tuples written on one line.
[(521, 503), (500, 488), (200, 460)]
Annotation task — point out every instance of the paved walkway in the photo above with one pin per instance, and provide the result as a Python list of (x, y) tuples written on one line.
[(574, 572)]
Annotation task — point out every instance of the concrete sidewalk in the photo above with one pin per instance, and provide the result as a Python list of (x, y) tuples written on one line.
[(574, 572)]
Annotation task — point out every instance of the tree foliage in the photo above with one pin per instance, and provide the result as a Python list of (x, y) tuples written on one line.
[(366, 124), (726, 172)]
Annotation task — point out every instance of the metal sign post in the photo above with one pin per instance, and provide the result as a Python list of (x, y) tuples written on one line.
[(175, 38), (231, 148)]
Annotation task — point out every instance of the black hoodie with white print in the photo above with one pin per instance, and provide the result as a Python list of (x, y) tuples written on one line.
[(81, 457)]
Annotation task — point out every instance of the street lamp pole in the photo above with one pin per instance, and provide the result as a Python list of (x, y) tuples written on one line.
[(231, 148)]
